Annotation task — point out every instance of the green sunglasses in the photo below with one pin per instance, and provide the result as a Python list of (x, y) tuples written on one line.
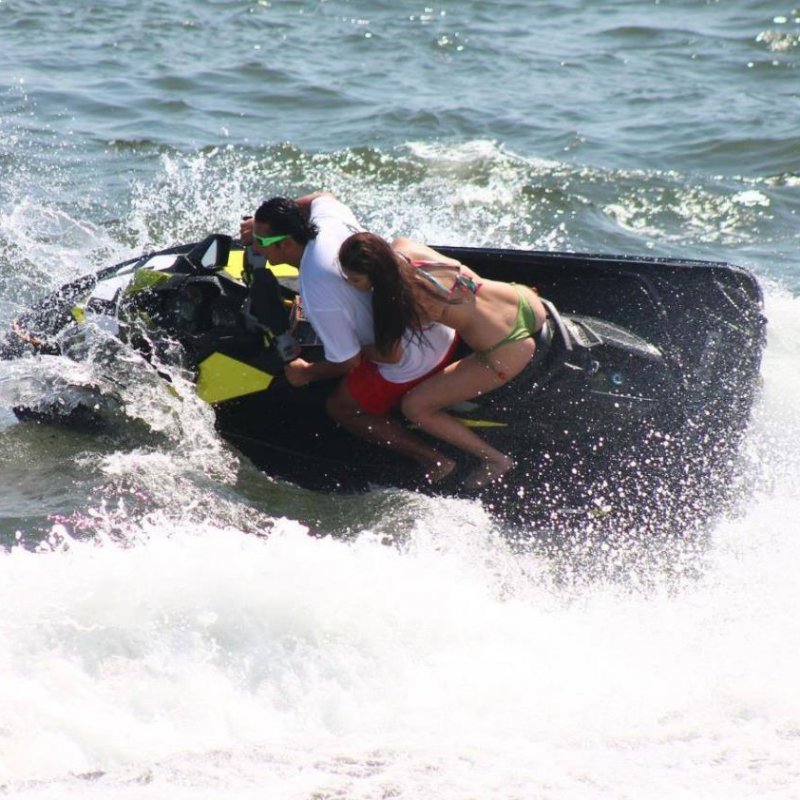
[(266, 241)]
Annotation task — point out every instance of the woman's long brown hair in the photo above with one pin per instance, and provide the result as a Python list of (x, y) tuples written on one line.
[(393, 306)]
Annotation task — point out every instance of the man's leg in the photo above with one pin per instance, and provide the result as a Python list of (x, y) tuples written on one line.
[(386, 432)]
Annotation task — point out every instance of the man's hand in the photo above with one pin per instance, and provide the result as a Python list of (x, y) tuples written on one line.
[(299, 372), (246, 231)]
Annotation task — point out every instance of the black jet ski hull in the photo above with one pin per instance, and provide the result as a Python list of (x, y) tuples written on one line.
[(634, 408)]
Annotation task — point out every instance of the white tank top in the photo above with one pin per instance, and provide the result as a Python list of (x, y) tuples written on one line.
[(420, 354)]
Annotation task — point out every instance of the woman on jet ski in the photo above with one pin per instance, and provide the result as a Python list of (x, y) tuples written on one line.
[(497, 320)]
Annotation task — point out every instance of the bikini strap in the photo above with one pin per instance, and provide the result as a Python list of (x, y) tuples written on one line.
[(444, 280)]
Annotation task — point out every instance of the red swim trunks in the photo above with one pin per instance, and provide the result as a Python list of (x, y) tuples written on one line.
[(375, 395)]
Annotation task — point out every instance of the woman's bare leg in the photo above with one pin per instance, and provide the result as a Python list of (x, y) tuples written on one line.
[(459, 381)]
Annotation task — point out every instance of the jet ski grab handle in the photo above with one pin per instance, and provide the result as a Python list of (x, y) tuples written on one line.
[(554, 319)]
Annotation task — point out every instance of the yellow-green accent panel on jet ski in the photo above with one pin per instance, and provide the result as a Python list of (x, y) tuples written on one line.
[(146, 279), (223, 378), (481, 423), (235, 267)]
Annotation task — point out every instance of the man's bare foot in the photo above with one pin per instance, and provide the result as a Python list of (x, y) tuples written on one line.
[(439, 470), (488, 472)]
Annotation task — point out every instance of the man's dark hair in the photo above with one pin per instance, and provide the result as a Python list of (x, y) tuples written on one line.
[(284, 215)]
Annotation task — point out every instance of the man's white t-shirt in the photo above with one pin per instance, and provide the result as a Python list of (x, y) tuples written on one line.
[(342, 315)]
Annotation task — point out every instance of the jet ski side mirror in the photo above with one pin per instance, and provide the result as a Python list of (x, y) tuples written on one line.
[(210, 254)]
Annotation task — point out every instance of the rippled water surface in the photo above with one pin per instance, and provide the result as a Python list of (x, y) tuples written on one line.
[(179, 624)]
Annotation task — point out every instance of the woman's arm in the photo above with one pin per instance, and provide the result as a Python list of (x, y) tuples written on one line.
[(420, 252), (307, 199), (416, 251)]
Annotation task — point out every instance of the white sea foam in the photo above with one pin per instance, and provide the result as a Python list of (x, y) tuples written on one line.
[(304, 663)]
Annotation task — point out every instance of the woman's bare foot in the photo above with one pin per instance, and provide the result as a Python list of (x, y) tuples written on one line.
[(488, 472), (439, 470)]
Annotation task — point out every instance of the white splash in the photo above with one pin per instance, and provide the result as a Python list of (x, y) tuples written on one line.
[(450, 658)]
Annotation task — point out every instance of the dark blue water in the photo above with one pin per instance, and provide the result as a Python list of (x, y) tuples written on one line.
[(169, 627)]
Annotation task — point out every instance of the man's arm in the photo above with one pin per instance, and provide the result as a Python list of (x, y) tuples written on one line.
[(301, 372)]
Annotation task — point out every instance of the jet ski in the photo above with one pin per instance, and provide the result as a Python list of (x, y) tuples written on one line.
[(632, 409)]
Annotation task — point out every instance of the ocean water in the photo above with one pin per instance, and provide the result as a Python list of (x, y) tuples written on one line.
[(176, 623)]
